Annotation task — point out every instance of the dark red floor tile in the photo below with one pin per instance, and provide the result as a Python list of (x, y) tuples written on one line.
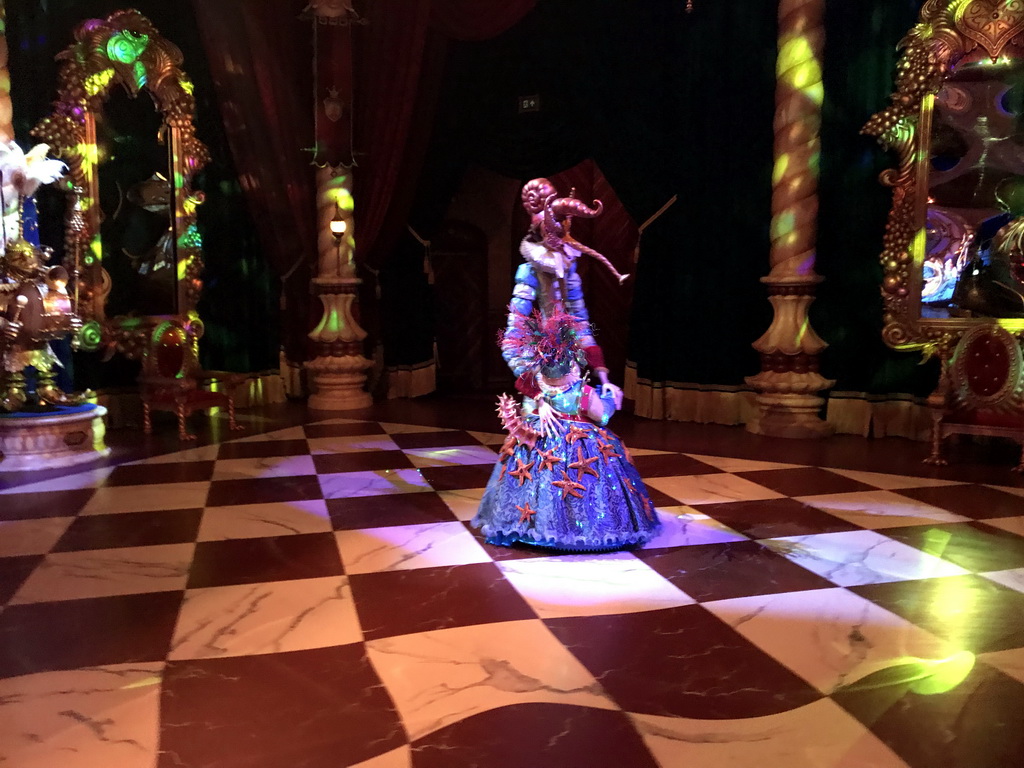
[(321, 708), (433, 439), (394, 603), (343, 430), (276, 558), (681, 662), (669, 464), (13, 572), (978, 502), (977, 724), (135, 529), (390, 509), (974, 546), (733, 569), (24, 506), (41, 637), (261, 449), (772, 518), (261, 490), (544, 735), (455, 478), (660, 498), (162, 472), (805, 481), (971, 611), (327, 463)]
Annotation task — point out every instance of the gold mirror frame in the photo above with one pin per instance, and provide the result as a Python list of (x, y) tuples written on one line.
[(947, 31), (125, 50)]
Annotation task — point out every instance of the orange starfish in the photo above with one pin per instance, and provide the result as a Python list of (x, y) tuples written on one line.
[(607, 450), (575, 433), (526, 513), (522, 471), (548, 459), (569, 487), (509, 446), (583, 465)]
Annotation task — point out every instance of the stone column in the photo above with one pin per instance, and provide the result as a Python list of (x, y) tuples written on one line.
[(337, 373), (789, 382)]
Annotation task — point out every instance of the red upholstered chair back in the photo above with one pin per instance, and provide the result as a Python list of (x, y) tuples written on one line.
[(988, 369), (170, 356)]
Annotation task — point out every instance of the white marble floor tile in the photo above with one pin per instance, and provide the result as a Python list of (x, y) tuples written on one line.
[(818, 735), (591, 585), (729, 464), (890, 482), (711, 489), (849, 558), (406, 547), (289, 433), (372, 483), (106, 572), (146, 498), (274, 617), (647, 452), (448, 457), (1014, 579), (880, 509), (99, 717), (684, 526), (351, 444), (254, 521), (268, 466), (73, 482), (31, 537), (489, 438), (830, 637), (439, 678), (203, 453), (396, 758), (1009, 662), (1011, 524), (404, 429), (464, 502)]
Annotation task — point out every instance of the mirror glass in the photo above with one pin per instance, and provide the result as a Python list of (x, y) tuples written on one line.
[(975, 177), (136, 211)]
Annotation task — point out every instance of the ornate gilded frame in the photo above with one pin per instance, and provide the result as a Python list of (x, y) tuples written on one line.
[(125, 50), (947, 30)]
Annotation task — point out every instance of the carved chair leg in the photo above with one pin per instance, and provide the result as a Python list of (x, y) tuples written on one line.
[(147, 418), (936, 457), (232, 424), (182, 432)]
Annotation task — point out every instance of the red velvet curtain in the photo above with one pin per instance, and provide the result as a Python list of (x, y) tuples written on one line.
[(259, 56)]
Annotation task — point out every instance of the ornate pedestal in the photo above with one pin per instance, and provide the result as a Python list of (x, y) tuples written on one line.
[(46, 441), (338, 373)]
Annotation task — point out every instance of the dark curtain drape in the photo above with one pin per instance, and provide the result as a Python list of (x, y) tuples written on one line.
[(260, 56)]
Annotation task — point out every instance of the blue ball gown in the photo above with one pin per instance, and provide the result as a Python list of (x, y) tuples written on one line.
[(576, 491)]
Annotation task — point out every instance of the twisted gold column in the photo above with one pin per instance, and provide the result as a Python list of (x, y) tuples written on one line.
[(6, 111), (789, 380)]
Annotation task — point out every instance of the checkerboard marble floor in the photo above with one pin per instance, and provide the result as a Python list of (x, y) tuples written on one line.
[(314, 597)]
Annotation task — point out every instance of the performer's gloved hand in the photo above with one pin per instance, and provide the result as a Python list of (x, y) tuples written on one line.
[(610, 390), (9, 329), (549, 423)]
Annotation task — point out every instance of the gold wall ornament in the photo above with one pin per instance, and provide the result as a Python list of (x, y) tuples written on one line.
[(955, 45), (124, 50)]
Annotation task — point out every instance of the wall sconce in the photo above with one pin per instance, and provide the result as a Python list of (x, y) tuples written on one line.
[(338, 224)]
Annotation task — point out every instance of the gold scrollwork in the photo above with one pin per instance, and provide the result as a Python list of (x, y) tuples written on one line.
[(126, 50)]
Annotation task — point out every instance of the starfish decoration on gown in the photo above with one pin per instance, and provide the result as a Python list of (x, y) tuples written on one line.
[(548, 459), (509, 446), (504, 467), (575, 433), (522, 471), (607, 450), (569, 486), (583, 465), (526, 512)]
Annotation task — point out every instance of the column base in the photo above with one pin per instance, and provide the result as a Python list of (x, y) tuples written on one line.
[(790, 416), (70, 436), (338, 382)]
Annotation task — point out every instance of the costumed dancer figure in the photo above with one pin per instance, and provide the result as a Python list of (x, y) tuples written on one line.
[(547, 280), (563, 480)]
